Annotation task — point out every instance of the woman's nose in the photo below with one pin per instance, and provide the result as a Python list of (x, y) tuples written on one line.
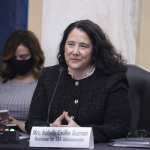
[(76, 50)]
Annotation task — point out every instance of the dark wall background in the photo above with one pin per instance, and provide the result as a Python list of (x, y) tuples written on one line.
[(13, 15)]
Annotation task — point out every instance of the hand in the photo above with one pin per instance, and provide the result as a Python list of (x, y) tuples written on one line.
[(20, 124), (4, 121), (58, 121), (71, 122), (12, 120), (67, 118)]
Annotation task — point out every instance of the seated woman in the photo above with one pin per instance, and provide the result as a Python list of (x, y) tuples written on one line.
[(22, 63), (87, 88)]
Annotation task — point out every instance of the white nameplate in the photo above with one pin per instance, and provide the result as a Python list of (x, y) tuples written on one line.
[(69, 137)]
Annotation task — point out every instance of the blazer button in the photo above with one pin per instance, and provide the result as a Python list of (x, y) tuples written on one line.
[(76, 83), (76, 101)]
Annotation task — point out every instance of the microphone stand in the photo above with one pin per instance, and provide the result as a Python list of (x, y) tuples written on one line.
[(54, 93)]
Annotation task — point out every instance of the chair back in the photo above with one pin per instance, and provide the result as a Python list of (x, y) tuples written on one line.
[(139, 97)]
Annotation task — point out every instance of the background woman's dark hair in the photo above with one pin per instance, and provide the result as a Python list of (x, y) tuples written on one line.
[(104, 56), (29, 40)]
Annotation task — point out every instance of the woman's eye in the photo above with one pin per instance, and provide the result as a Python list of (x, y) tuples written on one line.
[(84, 45), (70, 44)]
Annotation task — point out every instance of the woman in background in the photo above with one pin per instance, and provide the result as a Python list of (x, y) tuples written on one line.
[(22, 64), (87, 88)]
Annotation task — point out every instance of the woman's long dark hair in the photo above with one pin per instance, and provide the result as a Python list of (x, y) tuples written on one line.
[(104, 56), (29, 40)]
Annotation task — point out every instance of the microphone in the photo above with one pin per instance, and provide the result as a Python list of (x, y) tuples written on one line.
[(54, 92)]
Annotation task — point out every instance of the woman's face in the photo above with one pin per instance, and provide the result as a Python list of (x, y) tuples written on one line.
[(78, 50), (22, 53)]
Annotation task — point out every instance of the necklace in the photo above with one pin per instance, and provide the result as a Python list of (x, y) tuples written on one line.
[(82, 75)]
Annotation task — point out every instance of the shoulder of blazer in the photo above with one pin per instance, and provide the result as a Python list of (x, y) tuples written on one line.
[(51, 69), (117, 78), (50, 73)]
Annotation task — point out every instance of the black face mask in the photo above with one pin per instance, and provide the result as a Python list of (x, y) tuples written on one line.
[(22, 67)]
